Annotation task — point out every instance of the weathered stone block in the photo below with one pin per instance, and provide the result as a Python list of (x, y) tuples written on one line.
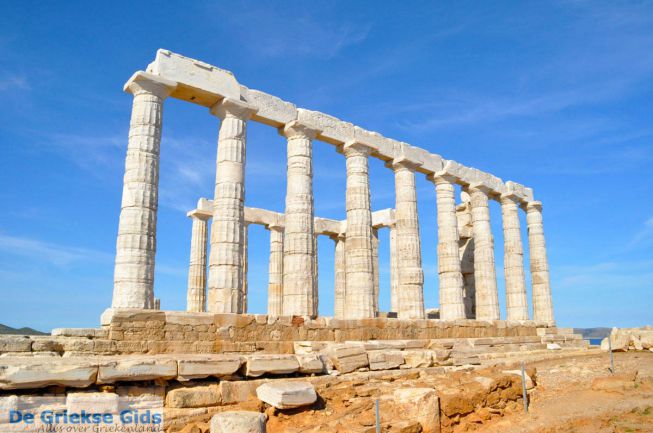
[(194, 396), (287, 395), (197, 367), (258, 365), (238, 422), (137, 369), (20, 374)]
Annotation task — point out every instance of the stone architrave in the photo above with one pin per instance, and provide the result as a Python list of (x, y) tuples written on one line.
[(513, 259), (451, 279), (542, 302), (133, 281), (487, 296), (409, 253), (225, 286), (275, 284), (340, 278), (298, 245), (196, 295), (359, 292)]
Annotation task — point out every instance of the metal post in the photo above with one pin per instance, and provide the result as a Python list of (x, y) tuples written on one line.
[(523, 386), (378, 416), (611, 355)]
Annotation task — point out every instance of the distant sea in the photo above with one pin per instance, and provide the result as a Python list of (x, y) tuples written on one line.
[(595, 341)]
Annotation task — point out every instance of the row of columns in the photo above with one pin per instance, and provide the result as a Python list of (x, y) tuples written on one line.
[(296, 276)]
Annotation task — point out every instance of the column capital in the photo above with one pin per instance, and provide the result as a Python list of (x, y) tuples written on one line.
[(510, 198), (199, 214), (479, 187), (442, 179), (533, 206), (228, 107), (142, 82), (298, 129), (398, 164), (355, 148), (275, 227)]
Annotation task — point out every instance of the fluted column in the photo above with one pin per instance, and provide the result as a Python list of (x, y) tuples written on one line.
[(394, 272), (225, 291), (513, 260), (375, 264), (275, 284), (245, 267), (340, 278), (298, 246), (133, 281), (196, 294), (315, 276), (542, 302), (487, 296), (452, 305), (359, 293), (409, 251)]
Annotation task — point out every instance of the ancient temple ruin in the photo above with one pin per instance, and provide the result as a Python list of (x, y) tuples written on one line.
[(466, 265)]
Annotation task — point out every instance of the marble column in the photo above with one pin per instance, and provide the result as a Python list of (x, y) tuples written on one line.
[(375, 265), (452, 305), (542, 303), (394, 272), (196, 294), (339, 278), (466, 249), (275, 284), (487, 296), (133, 280), (225, 286), (298, 245), (359, 293), (315, 277), (513, 259), (409, 252), (245, 260)]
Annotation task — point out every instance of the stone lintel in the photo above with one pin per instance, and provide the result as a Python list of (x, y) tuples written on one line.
[(272, 111), (198, 82), (141, 80), (199, 213), (330, 129)]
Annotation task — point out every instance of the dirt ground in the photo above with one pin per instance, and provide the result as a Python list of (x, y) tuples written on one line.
[(576, 394), (580, 395)]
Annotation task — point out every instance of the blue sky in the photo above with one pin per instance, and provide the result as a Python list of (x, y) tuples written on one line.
[(555, 95)]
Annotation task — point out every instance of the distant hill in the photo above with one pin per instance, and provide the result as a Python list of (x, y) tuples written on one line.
[(4, 329), (593, 332)]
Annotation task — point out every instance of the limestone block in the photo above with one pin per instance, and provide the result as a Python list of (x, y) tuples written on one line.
[(272, 111), (210, 365), (332, 130), (21, 374), (287, 395), (385, 359), (11, 343), (135, 369), (553, 346), (238, 422), (418, 358), (457, 170), (310, 364), (194, 396), (348, 357), (258, 365), (529, 381), (73, 332), (47, 344), (239, 391), (94, 402), (421, 405), (198, 82)]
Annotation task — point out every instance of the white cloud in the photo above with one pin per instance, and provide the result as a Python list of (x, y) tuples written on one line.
[(10, 81), (55, 254)]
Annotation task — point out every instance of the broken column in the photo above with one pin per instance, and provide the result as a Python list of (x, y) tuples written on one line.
[(513, 259), (359, 292), (225, 286), (487, 296), (299, 246), (196, 294), (133, 280), (449, 270), (542, 303)]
